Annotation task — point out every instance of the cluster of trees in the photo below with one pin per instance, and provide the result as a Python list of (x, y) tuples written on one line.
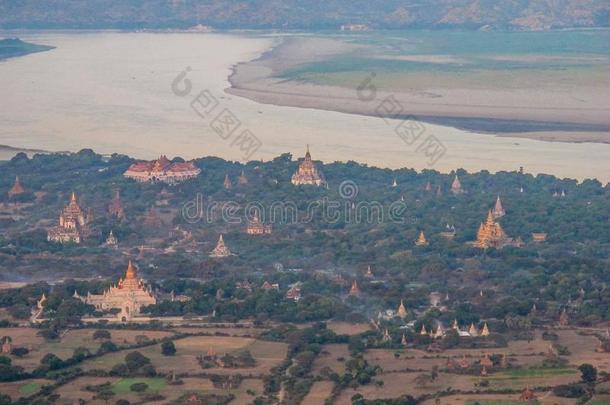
[(549, 274)]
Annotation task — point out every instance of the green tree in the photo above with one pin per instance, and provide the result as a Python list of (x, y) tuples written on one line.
[(136, 360), (588, 373), (168, 348)]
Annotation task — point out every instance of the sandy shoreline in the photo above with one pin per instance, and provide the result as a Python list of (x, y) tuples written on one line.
[(530, 114)]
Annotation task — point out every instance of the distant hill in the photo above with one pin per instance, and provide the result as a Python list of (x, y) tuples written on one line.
[(306, 14), (12, 47)]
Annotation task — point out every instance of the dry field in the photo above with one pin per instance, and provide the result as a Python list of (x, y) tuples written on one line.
[(329, 357), (345, 328), (63, 348), (497, 399), (267, 355), (319, 391), (582, 350), (407, 373)]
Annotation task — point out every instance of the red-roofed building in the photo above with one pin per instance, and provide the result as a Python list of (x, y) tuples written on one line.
[(162, 170)]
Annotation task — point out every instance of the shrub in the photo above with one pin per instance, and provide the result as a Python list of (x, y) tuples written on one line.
[(101, 334), (168, 348), (138, 387)]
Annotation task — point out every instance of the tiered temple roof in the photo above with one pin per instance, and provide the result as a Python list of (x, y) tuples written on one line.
[(256, 227), (111, 240), (162, 170), (72, 224), (491, 234), (456, 186), (421, 240), (129, 295), (242, 180), (115, 208), (401, 311), (221, 250), (308, 173), (498, 211), (17, 188)]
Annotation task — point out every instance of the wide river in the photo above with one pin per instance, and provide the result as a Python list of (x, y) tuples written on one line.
[(112, 92)]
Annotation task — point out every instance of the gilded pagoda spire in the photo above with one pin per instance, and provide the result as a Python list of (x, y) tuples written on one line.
[(421, 240), (402, 311), (131, 272)]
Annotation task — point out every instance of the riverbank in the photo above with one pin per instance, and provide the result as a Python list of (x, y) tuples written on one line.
[(545, 112)]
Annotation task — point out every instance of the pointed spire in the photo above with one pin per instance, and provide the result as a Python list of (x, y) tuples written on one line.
[(423, 331), (16, 189), (131, 272), (227, 182), (403, 341), (354, 290), (73, 197), (456, 186), (242, 180), (439, 331), (421, 240), (473, 330), (402, 311), (498, 210), (455, 325), (485, 331)]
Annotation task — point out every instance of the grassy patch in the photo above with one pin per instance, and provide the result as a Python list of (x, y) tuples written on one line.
[(29, 388), (122, 386)]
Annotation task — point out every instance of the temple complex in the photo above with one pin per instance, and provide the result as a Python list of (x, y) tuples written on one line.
[(17, 189), (162, 170), (491, 234), (456, 186), (112, 241), (256, 227), (242, 180), (449, 232), (221, 250), (421, 240), (294, 293), (152, 219), (308, 173), (115, 208), (498, 211), (72, 224), (129, 295)]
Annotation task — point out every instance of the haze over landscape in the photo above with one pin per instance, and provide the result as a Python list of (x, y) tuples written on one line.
[(284, 202)]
